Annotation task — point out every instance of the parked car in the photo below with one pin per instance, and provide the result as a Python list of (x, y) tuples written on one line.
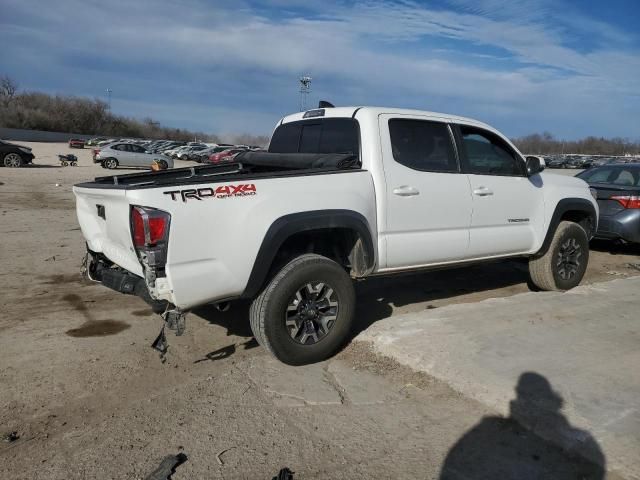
[(342, 193), (192, 150), (13, 155), (203, 155), (575, 162), (618, 192), (94, 141), (599, 162), (122, 154), (556, 162), (76, 143), (225, 155)]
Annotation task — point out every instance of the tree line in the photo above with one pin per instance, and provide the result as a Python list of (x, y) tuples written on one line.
[(66, 113), (546, 144)]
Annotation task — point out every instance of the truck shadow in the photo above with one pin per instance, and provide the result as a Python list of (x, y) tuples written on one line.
[(378, 298), (615, 248), (235, 320)]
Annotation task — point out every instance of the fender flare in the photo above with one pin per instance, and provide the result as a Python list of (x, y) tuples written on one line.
[(569, 205), (286, 226)]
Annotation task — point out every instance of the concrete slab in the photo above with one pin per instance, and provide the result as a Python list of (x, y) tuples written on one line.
[(582, 349)]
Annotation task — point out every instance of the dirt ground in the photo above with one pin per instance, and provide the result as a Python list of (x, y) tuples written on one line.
[(88, 398)]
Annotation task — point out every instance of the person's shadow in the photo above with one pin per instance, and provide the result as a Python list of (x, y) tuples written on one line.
[(501, 448)]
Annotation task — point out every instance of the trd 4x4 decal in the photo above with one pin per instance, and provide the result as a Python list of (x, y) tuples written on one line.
[(223, 191)]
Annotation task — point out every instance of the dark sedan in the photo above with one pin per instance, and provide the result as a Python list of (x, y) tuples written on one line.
[(618, 191), (12, 155)]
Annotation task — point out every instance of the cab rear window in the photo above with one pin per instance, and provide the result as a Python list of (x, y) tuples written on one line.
[(326, 135)]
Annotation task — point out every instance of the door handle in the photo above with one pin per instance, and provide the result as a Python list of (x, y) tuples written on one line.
[(482, 192), (405, 191)]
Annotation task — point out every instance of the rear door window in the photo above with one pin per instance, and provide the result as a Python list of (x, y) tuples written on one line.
[(422, 145)]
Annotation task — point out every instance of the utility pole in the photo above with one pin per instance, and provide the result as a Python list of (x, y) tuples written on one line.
[(109, 97), (305, 89)]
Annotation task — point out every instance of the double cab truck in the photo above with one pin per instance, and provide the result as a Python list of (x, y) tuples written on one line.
[(342, 194)]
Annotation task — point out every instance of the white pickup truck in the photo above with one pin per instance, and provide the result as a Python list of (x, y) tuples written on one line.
[(342, 194)]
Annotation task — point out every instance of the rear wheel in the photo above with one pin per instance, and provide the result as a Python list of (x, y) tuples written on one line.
[(565, 262), (13, 160), (305, 312), (163, 164), (110, 163)]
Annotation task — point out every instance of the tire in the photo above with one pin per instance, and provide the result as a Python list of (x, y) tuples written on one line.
[(565, 262), (74, 164), (64, 163), (13, 160), (163, 164), (110, 163), (324, 295)]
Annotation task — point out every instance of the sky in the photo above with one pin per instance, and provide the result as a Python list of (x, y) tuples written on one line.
[(571, 68)]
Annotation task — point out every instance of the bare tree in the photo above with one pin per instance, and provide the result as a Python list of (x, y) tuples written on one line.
[(8, 89)]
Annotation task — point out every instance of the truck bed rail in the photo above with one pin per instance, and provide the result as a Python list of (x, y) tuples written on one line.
[(262, 165)]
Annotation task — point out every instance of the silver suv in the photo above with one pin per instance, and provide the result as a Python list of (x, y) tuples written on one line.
[(129, 155)]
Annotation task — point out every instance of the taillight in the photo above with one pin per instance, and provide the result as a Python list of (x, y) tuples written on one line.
[(627, 201), (149, 227)]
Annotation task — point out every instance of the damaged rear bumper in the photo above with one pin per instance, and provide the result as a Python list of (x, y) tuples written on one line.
[(100, 269)]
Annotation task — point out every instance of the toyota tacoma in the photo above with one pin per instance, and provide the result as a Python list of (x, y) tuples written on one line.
[(341, 194)]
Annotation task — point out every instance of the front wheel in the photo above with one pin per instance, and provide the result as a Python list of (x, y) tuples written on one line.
[(565, 262), (162, 164), (13, 160), (305, 312)]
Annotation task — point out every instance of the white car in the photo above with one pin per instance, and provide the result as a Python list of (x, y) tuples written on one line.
[(342, 194), (189, 151), (122, 154)]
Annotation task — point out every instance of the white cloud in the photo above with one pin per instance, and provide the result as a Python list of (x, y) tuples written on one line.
[(374, 52)]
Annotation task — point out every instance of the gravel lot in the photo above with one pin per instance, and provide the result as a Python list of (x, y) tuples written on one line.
[(88, 398)]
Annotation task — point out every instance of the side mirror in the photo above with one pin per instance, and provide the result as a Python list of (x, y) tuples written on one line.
[(534, 165)]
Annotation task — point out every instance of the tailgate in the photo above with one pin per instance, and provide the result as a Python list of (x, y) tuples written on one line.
[(103, 215)]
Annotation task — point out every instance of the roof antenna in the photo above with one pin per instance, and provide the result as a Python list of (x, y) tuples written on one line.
[(325, 104)]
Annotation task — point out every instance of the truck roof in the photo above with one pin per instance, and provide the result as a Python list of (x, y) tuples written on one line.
[(354, 112)]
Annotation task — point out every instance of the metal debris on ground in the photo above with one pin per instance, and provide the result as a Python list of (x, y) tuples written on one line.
[(167, 467), (160, 344), (175, 320), (634, 265), (11, 437), (284, 474)]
